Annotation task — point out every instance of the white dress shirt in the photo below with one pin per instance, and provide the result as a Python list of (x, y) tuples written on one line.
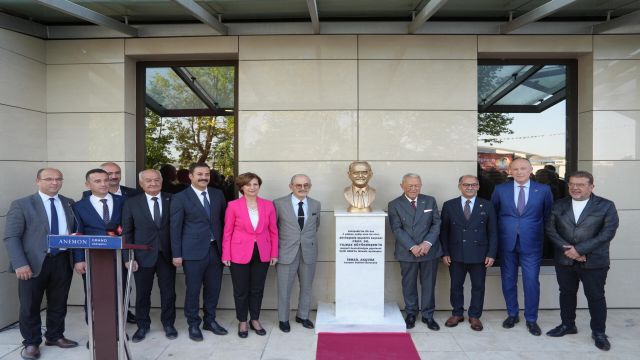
[(63, 229), (578, 207), (97, 204), (463, 201), (305, 207), (152, 203), (199, 195), (516, 192)]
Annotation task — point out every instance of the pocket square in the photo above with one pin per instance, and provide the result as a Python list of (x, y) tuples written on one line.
[(428, 210)]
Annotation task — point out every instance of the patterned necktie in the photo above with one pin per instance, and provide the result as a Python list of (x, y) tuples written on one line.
[(157, 217), (521, 202), (413, 204), (300, 215), (105, 211), (54, 230), (467, 209), (205, 202)]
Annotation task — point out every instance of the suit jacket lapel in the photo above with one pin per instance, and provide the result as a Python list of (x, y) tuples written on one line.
[(585, 212), (459, 211), (68, 213), (165, 208), (41, 212), (196, 199), (419, 210), (292, 215), (142, 203)]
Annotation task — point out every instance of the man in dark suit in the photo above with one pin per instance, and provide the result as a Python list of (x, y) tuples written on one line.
[(469, 237), (581, 228), (97, 214), (38, 268), (145, 221), (115, 176), (522, 206), (415, 223), (298, 224), (197, 218)]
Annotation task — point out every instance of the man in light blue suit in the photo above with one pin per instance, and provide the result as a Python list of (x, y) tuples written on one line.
[(522, 207)]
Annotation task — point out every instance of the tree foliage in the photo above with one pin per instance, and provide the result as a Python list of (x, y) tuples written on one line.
[(181, 141), (493, 125)]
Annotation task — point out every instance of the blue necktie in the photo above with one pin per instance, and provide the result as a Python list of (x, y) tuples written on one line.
[(54, 230)]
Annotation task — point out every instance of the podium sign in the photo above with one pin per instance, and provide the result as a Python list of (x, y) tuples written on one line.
[(85, 242)]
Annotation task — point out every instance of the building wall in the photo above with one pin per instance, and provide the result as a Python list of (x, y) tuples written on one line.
[(23, 138), (312, 104)]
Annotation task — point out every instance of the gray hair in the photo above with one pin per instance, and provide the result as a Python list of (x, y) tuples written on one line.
[(411, 175), (151, 170), (464, 176), (296, 175)]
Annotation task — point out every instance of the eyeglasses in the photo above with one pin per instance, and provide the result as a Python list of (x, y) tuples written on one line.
[(302, 186), (578, 185), (469, 185), (59, 179)]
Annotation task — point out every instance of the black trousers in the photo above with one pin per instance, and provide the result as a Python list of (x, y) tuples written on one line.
[(54, 280), (205, 274), (593, 281), (477, 274), (248, 286), (166, 273)]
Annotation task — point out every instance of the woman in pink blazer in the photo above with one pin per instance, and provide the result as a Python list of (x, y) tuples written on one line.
[(249, 246)]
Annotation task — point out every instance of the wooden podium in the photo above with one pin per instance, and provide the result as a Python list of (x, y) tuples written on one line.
[(106, 312)]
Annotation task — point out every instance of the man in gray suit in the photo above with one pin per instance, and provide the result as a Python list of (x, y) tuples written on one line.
[(298, 223), (39, 269), (415, 223)]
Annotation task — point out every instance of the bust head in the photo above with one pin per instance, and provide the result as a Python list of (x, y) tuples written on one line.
[(360, 173)]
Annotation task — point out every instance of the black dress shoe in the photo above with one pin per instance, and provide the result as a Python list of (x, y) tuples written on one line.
[(170, 332), (284, 326), (242, 334), (131, 319), (62, 343), (510, 322), (431, 324), (533, 328), (215, 328), (601, 341), (305, 322), (410, 320), (261, 332), (195, 334), (30, 352), (562, 330), (139, 335)]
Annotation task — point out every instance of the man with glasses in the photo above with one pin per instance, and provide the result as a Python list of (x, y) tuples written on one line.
[(298, 223), (469, 237), (415, 223), (38, 268), (581, 228)]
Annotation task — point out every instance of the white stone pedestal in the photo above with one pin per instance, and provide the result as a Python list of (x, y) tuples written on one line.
[(360, 305)]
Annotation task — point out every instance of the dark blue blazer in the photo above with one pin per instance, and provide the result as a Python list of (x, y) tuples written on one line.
[(469, 241), (530, 225), (90, 222), (191, 228), (127, 192)]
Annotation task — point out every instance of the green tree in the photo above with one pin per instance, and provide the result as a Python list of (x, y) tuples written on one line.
[(493, 125), (157, 141)]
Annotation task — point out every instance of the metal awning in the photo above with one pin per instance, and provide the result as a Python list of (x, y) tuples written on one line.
[(190, 91), (520, 88), (136, 18)]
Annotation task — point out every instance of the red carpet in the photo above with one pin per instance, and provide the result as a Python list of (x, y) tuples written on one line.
[(370, 346)]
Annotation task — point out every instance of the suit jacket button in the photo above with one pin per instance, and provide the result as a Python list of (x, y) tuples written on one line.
[(464, 240)]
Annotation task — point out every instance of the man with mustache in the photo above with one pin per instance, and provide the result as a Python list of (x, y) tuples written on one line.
[(197, 219)]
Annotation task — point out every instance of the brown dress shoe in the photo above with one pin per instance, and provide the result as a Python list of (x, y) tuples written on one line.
[(476, 324), (30, 352), (62, 342), (453, 321)]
